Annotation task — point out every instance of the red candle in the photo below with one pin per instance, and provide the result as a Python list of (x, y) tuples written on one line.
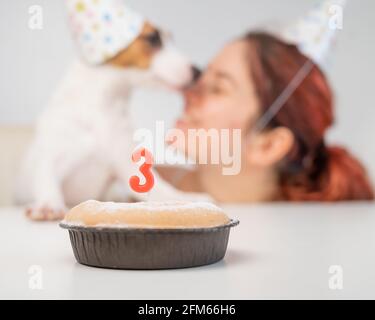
[(145, 169)]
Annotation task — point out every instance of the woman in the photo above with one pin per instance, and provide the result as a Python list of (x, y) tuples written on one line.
[(288, 159)]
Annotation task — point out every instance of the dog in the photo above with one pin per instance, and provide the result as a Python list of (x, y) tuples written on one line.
[(83, 141)]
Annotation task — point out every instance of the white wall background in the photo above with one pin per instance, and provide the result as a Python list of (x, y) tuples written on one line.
[(31, 62)]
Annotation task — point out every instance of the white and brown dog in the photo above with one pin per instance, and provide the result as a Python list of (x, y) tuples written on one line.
[(83, 141)]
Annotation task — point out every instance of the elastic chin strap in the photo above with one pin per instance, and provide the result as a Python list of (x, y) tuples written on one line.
[(281, 100)]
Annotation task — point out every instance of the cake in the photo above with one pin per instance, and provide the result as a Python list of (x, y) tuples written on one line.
[(148, 235), (168, 215)]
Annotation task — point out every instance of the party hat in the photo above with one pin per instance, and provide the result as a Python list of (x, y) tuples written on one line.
[(102, 28), (315, 34)]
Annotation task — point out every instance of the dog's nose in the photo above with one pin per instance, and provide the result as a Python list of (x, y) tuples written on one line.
[(196, 73)]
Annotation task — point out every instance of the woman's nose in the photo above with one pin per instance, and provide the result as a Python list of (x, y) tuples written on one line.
[(191, 95), (196, 90)]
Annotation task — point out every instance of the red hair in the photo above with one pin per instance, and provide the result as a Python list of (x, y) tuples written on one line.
[(311, 171)]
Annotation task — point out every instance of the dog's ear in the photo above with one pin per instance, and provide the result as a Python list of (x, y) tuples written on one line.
[(139, 54)]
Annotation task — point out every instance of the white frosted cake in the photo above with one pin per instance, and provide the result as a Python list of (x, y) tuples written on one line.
[(170, 214)]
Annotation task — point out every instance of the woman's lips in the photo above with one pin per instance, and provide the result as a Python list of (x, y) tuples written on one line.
[(186, 118), (181, 123)]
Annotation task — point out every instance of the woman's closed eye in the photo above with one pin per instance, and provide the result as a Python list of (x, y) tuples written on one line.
[(215, 89), (215, 86), (219, 83)]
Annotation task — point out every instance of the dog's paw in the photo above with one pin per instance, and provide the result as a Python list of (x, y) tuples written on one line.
[(45, 213)]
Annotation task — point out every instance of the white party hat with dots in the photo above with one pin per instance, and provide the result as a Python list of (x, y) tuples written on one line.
[(102, 28), (315, 34)]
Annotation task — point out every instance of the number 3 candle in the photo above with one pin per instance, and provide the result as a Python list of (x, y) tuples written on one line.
[(145, 169)]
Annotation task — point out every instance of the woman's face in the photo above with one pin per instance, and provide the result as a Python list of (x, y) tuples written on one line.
[(224, 97)]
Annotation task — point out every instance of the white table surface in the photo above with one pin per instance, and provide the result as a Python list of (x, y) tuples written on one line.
[(278, 251)]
